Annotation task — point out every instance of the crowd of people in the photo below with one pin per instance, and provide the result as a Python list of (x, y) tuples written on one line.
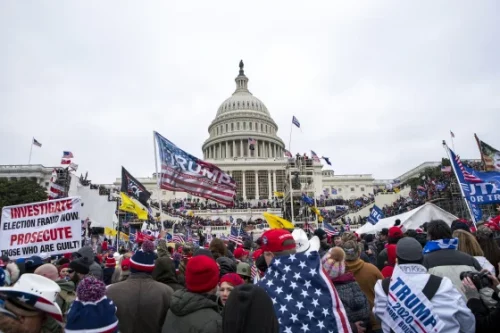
[(260, 286)]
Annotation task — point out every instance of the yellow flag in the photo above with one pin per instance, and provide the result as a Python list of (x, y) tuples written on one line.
[(279, 194), (316, 211), (110, 232), (276, 222), (130, 206)]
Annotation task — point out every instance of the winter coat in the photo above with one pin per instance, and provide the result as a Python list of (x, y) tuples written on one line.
[(95, 268), (164, 272), (190, 313), (226, 265), (366, 276), (67, 295), (142, 303), (487, 320), (382, 259), (450, 263), (107, 275), (447, 303), (354, 301)]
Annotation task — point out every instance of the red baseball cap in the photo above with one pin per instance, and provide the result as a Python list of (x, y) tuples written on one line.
[(240, 252), (256, 254), (395, 232), (277, 240)]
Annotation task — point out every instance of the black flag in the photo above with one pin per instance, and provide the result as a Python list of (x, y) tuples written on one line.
[(133, 188)]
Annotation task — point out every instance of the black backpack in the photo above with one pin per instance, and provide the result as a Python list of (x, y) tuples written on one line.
[(430, 288)]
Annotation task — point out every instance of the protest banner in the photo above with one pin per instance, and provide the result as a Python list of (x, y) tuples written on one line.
[(48, 227), (408, 310)]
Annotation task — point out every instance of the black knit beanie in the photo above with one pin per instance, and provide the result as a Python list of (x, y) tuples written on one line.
[(80, 265), (249, 309)]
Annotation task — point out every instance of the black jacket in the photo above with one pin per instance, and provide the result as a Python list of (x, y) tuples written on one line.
[(164, 272), (487, 320)]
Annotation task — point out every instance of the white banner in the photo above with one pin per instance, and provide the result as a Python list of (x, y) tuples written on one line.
[(48, 227), (409, 310)]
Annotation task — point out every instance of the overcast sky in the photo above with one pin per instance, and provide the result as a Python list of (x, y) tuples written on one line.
[(376, 85)]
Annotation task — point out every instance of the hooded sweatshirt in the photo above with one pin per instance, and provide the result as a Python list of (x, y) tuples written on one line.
[(66, 296), (164, 272), (366, 276), (95, 269)]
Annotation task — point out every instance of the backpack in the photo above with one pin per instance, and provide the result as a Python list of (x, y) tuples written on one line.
[(67, 297), (430, 288)]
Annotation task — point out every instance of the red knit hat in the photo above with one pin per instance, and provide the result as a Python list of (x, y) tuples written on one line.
[(110, 262), (395, 232), (232, 278), (274, 240), (240, 252), (202, 274)]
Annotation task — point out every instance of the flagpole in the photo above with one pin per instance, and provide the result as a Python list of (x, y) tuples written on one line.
[(452, 141), (290, 140), (31, 150), (158, 180), (445, 146), (291, 194)]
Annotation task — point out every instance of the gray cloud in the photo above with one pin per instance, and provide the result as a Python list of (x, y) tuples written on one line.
[(376, 86)]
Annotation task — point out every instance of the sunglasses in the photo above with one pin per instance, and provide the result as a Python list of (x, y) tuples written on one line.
[(70, 271)]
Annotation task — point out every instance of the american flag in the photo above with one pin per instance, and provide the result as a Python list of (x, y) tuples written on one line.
[(469, 177), (235, 236), (178, 238), (67, 154), (329, 229), (309, 227), (183, 172), (295, 121), (304, 298), (251, 141), (314, 156), (288, 154), (35, 301)]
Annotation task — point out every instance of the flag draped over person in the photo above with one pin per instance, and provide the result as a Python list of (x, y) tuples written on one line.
[(303, 296)]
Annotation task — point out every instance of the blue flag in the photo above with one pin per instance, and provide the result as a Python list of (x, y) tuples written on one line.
[(375, 215), (304, 297), (478, 187)]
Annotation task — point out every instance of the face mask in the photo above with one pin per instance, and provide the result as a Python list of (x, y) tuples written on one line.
[(261, 264)]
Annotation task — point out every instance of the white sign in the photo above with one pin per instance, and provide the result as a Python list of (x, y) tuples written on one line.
[(48, 227), (409, 310)]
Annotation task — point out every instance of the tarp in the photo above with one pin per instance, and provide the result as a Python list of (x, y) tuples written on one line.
[(410, 220)]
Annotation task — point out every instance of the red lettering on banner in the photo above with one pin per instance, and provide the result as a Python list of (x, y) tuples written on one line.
[(41, 209), (41, 236)]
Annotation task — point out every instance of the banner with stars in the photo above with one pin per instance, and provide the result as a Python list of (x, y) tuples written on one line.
[(304, 298)]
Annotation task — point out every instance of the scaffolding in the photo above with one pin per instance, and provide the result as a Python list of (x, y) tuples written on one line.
[(299, 173)]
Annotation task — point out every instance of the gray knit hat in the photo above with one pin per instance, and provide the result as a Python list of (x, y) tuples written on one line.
[(409, 249)]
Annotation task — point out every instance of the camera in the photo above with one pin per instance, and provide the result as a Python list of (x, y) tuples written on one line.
[(480, 280)]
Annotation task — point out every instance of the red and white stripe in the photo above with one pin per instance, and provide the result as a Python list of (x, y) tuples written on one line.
[(178, 239), (467, 176), (50, 308), (238, 240), (338, 310), (197, 184)]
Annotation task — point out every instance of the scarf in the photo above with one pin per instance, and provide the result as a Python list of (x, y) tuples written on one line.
[(441, 244)]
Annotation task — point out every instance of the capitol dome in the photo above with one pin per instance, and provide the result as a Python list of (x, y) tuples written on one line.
[(243, 127)]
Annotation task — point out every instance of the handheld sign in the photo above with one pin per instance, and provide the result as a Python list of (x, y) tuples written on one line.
[(48, 227)]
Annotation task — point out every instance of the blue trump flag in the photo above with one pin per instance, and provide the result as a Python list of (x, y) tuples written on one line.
[(304, 298), (375, 215), (478, 187)]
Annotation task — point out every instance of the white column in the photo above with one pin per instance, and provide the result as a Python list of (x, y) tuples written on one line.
[(244, 185), (227, 149), (257, 149), (275, 150), (269, 184), (275, 188), (241, 148), (234, 149), (257, 196), (269, 149), (220, 150)]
